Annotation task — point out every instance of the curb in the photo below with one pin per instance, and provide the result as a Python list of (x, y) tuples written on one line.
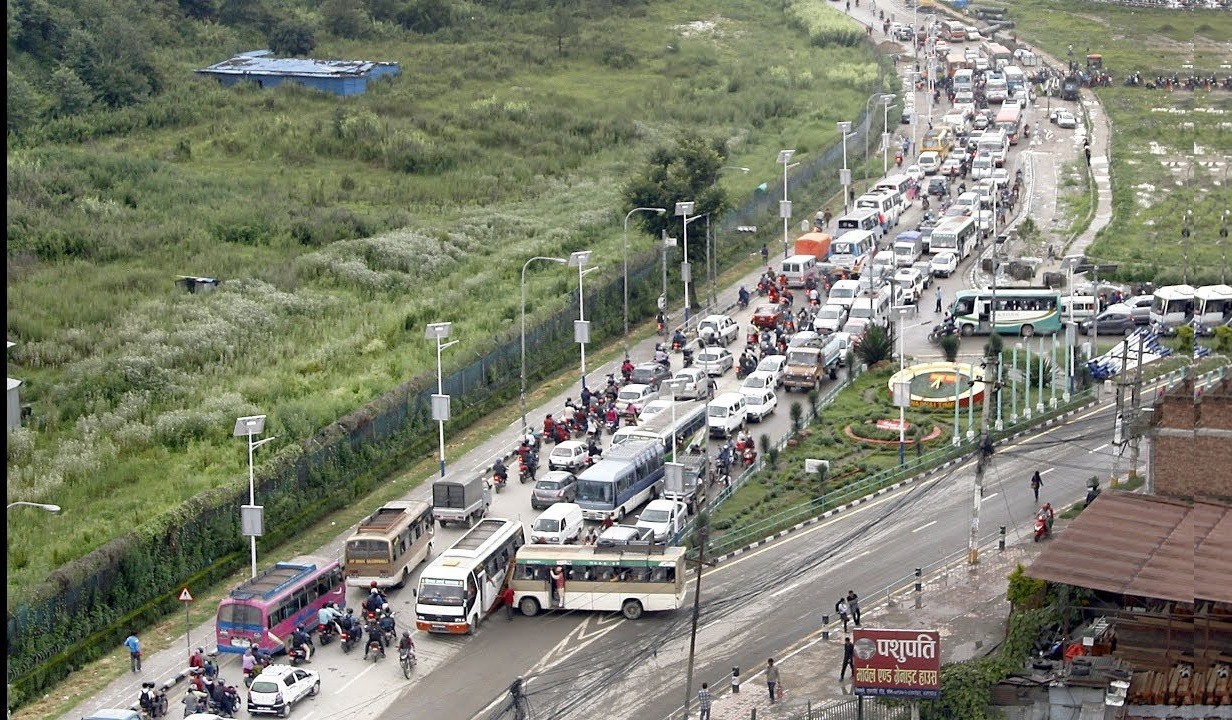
[(890, 488)]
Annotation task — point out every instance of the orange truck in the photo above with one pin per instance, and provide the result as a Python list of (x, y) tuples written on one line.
[(816, 244)]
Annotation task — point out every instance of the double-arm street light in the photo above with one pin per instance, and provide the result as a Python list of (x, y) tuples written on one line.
[(656, 210), (868, 121), (844, 176), (252, 521), (581, 328), (683, 211), (440, 401), (785, 207), (522, 394)]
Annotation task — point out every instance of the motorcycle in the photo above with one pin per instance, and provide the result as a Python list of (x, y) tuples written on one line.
[(326, 633), (1043, 523), (688, 357), (526, 471), (153, 702), (349, 638), (743, 300), (941, 330), (406, 658), (375, 649), (297, 655), (498, 482)]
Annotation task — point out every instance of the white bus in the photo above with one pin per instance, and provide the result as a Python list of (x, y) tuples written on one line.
[(463, 584), (388, 544), (1172, 307), (1212, 308), (622, 481), (688, 421), (851, 252), (630, 579), (956, 234)]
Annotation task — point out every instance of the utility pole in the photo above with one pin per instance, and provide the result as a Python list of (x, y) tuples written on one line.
[(1136, 415), (703, 537), (992, 358)]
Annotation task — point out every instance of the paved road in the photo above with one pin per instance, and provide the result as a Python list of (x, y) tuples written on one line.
[(367, 690)]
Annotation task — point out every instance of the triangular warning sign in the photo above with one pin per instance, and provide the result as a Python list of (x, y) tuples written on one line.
[(185, 596)]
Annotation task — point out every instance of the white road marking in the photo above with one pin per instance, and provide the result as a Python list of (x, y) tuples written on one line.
[(1101, 447), (340, 690), (925, 525), (986, 498), (1045, 472)]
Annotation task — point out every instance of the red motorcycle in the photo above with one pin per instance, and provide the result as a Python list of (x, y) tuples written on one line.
[(1043, 522), (746, 451), (498, 482)]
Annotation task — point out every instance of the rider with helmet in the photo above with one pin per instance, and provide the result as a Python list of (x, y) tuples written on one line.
[(301, 641), (328, 616)]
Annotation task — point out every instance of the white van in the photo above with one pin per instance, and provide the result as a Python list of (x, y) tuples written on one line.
[(558, 525), (995, 143), (884, 204), (964, 80), (725, 414), (844, 292), (982, 166), (859, 219), (798, 269), (1078, 307), (908, 247)]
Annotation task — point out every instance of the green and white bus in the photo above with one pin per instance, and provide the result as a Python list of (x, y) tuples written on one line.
[(1024, 311), (629, 579)]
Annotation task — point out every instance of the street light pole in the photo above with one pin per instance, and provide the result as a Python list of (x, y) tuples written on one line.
[(885, 134), (683, 211), (657, 210), (785, 208), (581, 329), (251, 516), (844, 178), (440, 401), (868, 125), (904, 394), (522, 394)]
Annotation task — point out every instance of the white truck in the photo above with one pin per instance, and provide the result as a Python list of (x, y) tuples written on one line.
[(665, 518)]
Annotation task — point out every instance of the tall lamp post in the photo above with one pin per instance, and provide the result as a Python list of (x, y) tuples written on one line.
[(785, 207), (440, 401), (522, 394), (45, 507), (683, 211), (674, 388), (902, 388), (581, 328), (252, 518), (659, 211), (868, 123), (844, 175), (888, 100)]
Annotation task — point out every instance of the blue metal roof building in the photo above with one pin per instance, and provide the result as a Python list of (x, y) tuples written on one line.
[(341, 77)]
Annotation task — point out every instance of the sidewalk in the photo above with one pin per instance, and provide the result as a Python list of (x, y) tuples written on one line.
[(966, 604)]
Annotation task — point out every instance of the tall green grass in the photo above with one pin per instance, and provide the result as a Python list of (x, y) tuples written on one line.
[(339, 227)]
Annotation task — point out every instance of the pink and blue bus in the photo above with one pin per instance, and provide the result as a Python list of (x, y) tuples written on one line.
[(264, 611)]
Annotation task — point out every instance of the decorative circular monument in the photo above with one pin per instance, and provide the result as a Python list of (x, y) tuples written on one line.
[(939, 385)]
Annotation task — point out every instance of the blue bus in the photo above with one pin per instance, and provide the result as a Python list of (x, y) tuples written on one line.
[(627, 476)]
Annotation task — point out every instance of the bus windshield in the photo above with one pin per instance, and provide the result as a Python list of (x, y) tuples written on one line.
[(597, 491), (367, 550), (441, 592)]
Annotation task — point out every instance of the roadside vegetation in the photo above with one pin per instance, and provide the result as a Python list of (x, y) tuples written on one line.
[(1170, 150), (339, 227)]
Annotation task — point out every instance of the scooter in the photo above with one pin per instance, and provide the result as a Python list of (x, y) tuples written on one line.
[(297, 655), (1043, 523), (498, 482), (526, 471), (326, 633), (349, 638)]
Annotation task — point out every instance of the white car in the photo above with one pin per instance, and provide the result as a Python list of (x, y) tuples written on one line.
[(915, 172), (1066, 119), (717, 330), (930, 162), (1001, 177), (637, 396), (773, 364), (758, 381), (696, 384), (912, 283), (943, 264), (714, 360), (829, 318), (569, 455), (278, 687), (759, 403)]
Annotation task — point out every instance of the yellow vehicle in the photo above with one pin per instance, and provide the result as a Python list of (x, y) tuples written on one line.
[(939, 140)]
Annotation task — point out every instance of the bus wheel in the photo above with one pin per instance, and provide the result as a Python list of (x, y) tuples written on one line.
[(402, 583), (968, 330), (620, 515), (1028, 330), (631, 609), (529, 606), (473, 625)]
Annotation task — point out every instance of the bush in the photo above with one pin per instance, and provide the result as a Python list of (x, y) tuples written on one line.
[(949, 347), (291, 38), (876, 346)]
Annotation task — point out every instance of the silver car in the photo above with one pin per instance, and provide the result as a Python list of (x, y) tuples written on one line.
[(556, 486), (715, 361)]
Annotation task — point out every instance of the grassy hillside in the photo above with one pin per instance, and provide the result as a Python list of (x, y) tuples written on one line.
[(339, 226)]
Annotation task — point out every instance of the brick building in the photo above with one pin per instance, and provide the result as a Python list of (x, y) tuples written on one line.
[(1191, 442)]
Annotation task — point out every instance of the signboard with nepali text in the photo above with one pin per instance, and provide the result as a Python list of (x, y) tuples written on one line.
[(897, 663)]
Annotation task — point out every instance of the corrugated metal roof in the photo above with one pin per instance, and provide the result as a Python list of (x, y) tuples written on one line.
[(1145, 546), (251, 64)]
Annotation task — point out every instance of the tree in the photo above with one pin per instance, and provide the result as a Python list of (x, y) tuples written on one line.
[(876, 346), (26, 105), (291, 37), (69, 94), (562, 23), (426, 16), (344, 19), (200, 9)]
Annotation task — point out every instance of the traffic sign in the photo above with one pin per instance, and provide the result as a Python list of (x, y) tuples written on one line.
[(185, 596)]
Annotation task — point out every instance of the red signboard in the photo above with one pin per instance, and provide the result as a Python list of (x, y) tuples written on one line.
[(897, 663)]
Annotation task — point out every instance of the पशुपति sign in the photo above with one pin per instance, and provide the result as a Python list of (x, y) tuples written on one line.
[(897, 663)]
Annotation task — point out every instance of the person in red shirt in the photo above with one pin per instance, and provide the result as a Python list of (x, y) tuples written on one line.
[(507, 599)]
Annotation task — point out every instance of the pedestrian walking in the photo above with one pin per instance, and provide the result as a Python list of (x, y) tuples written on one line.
[(938, 308), (507, 598), (849, 650), (703, 702), (765, 253), (134, 651), (772, 678), (844, 612), (1036, 483), (853, 606)]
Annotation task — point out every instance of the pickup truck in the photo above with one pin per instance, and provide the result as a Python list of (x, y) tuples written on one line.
[(805, 365), (664, 518)]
